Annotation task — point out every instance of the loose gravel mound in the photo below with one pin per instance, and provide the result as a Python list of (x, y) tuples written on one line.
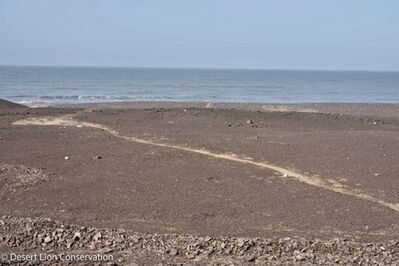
[(14, 177), (25, 236)]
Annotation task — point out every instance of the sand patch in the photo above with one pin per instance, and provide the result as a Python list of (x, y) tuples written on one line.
[(210, 105), (285, 108), (316, 181), (14, 177)]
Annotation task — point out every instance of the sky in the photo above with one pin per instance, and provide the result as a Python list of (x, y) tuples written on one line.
[(254, 34)]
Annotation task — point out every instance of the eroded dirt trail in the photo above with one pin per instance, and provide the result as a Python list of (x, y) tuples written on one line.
[(315, 181)]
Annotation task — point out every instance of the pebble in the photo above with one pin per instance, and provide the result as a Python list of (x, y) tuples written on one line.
[(300, 257), (55, 238), (173, 252), (97, 236), (77, 235), (240, 242), (105, 250)]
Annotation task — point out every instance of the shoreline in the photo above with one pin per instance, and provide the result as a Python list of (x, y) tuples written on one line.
[(357, 109)]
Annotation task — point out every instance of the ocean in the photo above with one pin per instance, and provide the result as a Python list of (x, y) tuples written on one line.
[(51, 85)]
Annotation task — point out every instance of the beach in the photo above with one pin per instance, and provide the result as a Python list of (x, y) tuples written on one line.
[(202, 182)]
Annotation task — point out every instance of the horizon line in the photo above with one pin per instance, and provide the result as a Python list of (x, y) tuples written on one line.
[(201, 68)]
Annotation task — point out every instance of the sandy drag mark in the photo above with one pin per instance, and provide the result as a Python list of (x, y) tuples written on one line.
[(309, 180)]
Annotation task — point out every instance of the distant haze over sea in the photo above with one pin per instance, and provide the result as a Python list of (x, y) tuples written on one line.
[(28, 84)]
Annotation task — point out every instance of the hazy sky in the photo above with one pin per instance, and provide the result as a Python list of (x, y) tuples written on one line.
[(279, 34)]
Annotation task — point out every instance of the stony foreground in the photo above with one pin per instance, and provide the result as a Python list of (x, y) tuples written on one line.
[(27, 236)]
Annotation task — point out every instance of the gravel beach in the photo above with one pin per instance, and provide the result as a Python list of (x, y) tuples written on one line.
[(158, 183)]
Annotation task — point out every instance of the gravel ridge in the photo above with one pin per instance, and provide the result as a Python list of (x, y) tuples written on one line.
[(28, 235)]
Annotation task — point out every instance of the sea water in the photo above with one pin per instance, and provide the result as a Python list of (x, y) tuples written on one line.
[(28, 84)]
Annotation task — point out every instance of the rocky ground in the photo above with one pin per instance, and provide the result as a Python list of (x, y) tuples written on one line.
[(27, 236), (200, 185), (13, 177)]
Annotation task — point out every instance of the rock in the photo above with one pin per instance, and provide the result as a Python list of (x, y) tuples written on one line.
[(47, 239), (173, 252), (77, 236), (240, 242), (250, 258), (249, 122), (300, 257), (69, 244), (66, 158), (97, 236), (105, 250), (190, 256), (97, 157)]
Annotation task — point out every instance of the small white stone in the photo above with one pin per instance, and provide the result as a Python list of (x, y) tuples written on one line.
[(66, 158)]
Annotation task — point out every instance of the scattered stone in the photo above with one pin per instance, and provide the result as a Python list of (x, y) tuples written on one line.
[(129, 247), (250, 258), (13, 177), (249, 122), (97, 157), (97, 236), (105, 250), (300, 257), (240, 242), (190, 256), (76, 236), (173, 252), (66, 158)]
